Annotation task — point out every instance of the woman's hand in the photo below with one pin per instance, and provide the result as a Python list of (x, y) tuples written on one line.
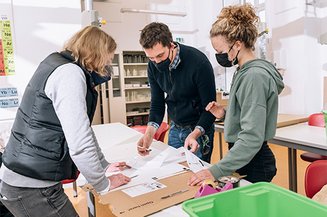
[(217, 110), (199, 177), (117, 166), (118, 180)]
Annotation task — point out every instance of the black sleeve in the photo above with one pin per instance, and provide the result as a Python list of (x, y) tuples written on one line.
[(157, 108), (205, 81)]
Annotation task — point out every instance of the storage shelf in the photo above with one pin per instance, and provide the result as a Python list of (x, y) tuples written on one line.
[(135, 64), (135, 102), (138, 76), (136, 88), (138, 114), (134, 74)]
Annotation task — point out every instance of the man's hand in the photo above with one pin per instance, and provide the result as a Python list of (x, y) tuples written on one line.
[(199, 177), (145, 141), (216, 109), (190, 141), (118, 180)]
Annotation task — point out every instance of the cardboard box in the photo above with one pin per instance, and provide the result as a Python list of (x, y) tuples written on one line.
[(221, 100), (176, 192)]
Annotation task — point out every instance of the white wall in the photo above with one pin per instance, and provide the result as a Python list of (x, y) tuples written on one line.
[(193, 28), (124, 28), (205, 15), (39, 27), (295, 29)]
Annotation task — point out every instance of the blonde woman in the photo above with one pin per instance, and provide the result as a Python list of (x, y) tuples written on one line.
[(52, 134), (251, 116)]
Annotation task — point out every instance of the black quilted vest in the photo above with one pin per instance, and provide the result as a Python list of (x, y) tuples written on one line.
[(37, 146)]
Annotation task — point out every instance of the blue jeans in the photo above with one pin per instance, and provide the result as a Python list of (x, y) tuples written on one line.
[(178, 134), (36, 202)]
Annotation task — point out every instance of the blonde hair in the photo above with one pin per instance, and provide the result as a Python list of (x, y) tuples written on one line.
[(237, 22), (91, 48)]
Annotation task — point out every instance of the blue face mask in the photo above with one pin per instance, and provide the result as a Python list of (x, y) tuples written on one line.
[(163, 65), (98, 79), (222, 59)]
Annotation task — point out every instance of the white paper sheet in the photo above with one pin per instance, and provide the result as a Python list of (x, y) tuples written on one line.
[(195, 163), (150, 174), (145, 168), (157, 161), (125, 151)]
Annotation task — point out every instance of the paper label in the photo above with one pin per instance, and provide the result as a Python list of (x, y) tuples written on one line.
[(143, 189)]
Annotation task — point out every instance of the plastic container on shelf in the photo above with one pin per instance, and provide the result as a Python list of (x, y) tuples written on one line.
[(255, 200)]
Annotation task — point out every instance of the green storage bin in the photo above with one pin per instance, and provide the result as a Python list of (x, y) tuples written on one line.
[(256, 200)]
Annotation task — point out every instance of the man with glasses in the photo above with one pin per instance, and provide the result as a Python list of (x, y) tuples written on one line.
[(181, 77)]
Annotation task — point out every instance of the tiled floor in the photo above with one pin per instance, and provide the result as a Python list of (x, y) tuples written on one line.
[(280, 179)]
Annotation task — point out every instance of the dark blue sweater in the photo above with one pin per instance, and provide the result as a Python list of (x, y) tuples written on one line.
[(189, 87)]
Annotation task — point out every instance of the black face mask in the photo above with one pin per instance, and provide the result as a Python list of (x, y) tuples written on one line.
[(163, 65), (98, 79), (222, 59)]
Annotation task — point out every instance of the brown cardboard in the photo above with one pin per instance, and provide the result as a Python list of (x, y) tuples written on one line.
[(124, 205), (220, 100)]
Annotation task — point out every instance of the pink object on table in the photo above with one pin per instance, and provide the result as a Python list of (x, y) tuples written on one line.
[(208, 189)]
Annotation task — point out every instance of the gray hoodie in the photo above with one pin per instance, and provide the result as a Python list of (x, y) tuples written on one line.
[(251, 116)]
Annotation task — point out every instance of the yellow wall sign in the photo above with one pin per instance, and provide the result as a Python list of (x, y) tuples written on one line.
[(7, 65)]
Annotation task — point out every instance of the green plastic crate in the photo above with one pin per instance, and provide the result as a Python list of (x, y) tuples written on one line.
[(256, 200)]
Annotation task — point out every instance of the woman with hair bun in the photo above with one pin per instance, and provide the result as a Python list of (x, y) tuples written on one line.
[(251, 116)]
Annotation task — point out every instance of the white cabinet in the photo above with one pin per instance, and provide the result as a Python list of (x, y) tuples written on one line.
[(126, 97), (111, 100), (136, 86)]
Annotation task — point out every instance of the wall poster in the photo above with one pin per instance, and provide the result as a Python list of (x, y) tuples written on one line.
[(7, 65)]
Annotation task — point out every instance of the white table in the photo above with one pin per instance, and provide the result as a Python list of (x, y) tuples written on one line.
[(302, 137), (283, 120), (111, 138)]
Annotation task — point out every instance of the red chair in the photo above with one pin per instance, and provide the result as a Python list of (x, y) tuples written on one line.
[(159, 135), (67, 181), (317, 120), (315, 177)]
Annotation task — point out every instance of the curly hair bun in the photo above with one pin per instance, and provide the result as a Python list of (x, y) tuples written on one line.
[(237, 22), (244, 14)]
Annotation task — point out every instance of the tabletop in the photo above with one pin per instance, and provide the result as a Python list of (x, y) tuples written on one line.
[(112, 137), (303, 135), (282, 120), (290, 119)]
